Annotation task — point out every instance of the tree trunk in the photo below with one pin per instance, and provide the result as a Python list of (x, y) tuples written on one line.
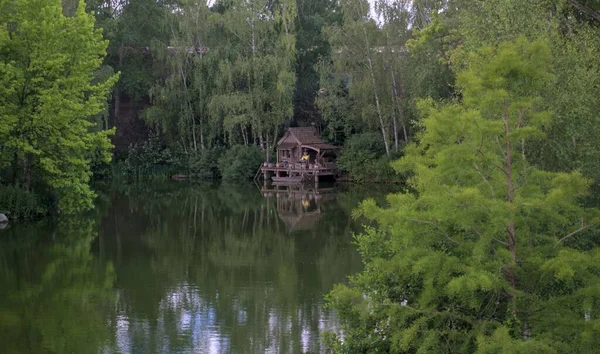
[(510, 196), (202, 146), (117, 108), (394, 120), (189, 111), (395, 128), (377, 103), (194, 131), (395, 95), (268, 153), (244, 135), (590, 13), (202, 114), (15, 169), (27, 171)]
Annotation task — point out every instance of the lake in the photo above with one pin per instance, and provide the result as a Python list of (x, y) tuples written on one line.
[(180, 268)]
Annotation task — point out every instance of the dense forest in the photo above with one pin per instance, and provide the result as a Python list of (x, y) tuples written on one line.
[(488, 111), (203, 88)]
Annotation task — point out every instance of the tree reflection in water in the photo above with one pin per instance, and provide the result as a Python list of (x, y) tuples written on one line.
[(56, 296), (216, 269), (178, 268)]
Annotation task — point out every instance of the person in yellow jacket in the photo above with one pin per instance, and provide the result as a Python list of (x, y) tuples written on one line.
[(305, 158)]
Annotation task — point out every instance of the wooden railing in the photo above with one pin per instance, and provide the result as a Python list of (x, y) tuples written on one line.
[(298, 166)]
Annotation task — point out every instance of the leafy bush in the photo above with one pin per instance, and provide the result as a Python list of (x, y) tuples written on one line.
[(363, 159), (204, 164), (20, 204), (152, 160), (366, 145), (240, 162)]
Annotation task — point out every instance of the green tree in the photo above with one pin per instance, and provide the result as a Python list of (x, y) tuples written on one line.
[(229, 73), (134, 29), (47, 94), (254, 95), (571, 136), (357, 45), (312, 46), (370, 55), (483, 256), (181, 100), (240, 162)]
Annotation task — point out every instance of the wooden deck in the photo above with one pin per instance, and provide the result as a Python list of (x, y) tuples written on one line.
[(296, 172)]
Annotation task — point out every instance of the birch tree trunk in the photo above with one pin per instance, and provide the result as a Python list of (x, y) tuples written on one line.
[(395, 95), (376, 95), (510, 198)]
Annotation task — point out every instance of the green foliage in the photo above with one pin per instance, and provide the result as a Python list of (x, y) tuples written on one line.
[(426, 70), (311, 47), (151, 160), (240, 162), (337, 108), (61, 301), (571, 142), (363, 159), (20, 204), (47, 94), (131, 29), (383, 79), (483, 256), (229, 73), (367, 145), (204, 164)]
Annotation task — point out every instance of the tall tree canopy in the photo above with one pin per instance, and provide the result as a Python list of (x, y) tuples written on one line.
[(230, 73), (48, 93), (489, 253)]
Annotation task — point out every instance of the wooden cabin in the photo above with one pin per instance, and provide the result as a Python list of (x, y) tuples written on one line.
[(296, 141), (291, 147)]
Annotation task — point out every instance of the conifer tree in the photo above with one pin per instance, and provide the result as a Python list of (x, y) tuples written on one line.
[(484, 255)]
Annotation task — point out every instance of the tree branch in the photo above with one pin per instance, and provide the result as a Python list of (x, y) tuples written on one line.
[(437, 227), (581, 229), (589, 13), (483, 155), (485, 179)]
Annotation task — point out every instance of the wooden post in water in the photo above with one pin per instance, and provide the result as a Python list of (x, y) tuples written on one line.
[(267, 152), (265, 173)]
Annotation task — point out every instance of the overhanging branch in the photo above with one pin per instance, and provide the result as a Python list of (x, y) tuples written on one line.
[(590, 13)]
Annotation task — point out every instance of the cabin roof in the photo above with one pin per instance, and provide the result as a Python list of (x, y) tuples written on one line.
[(305, 137)]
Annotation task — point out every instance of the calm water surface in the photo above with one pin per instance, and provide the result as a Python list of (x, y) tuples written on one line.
[(179, 268)]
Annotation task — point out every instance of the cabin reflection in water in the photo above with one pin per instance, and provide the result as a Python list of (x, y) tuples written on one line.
[(298, 205)]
